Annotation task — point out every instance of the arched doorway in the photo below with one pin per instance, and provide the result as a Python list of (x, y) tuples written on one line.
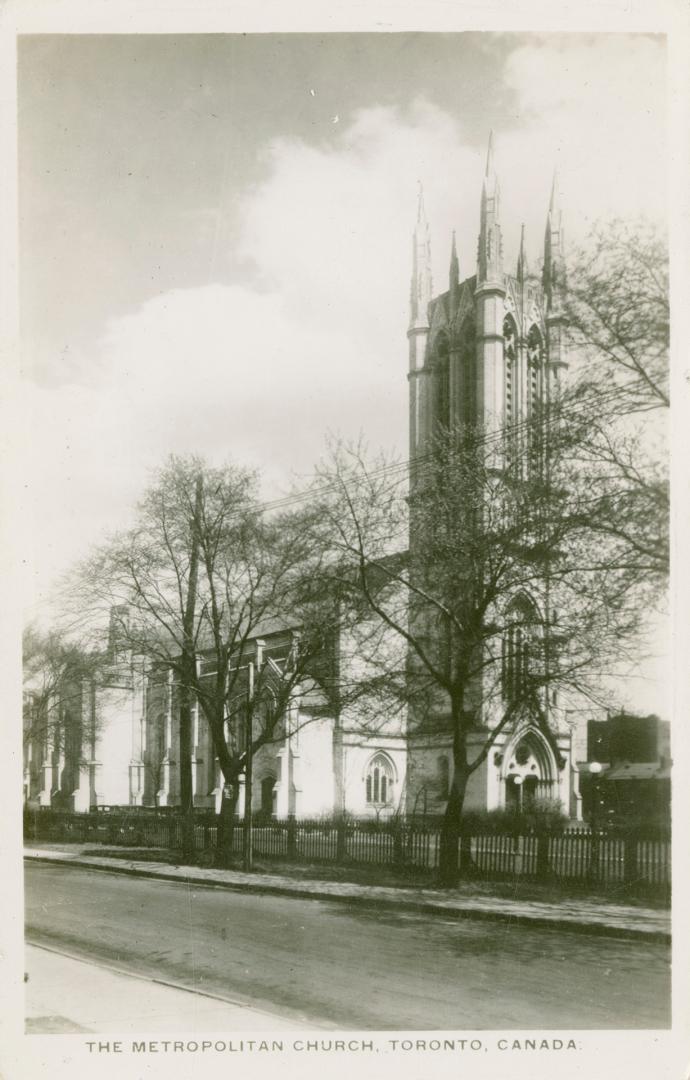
[(529, 770)]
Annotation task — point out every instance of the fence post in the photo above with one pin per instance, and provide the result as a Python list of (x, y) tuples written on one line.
[(291, 836), (340, 839), (594, 851), (630, 856), (138, 837), (518, 843), (467, 864), (543, 867), (398, 846)]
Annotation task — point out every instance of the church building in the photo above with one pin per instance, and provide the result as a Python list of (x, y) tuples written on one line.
[(484, 355), (482, 352)]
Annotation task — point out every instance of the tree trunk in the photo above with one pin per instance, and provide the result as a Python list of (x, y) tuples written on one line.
[(247, 832), (186, 683), (449, 864), (226, 823), (186, 786)]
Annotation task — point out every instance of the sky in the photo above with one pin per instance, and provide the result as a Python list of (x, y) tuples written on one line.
[(215, 235)]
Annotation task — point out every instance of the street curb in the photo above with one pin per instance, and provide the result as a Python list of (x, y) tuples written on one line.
[(419, 907)]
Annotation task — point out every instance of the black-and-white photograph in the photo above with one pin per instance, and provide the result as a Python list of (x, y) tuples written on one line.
[(346, 674)]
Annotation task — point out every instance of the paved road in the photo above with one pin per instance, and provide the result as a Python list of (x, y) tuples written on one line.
[(349, 966)]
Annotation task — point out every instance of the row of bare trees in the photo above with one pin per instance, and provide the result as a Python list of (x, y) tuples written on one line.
[(462, 597)]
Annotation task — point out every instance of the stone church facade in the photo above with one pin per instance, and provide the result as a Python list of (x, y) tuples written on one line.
[(118, 744), (485, 354), (482, 352)]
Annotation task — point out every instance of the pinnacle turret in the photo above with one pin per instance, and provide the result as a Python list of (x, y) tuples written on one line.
[(522, 258), (420, 291), (490, 254), (454, 264), (554, 258), (421, 212), (488, 171), (454, 275)]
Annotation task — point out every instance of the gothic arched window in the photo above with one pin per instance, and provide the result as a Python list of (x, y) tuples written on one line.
[(469, 372), (442, 383), (379, 781), (510, 362), (519, 650), (535, 357)]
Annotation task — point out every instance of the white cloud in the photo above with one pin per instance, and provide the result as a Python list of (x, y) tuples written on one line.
[(258, 373), (221, 371), (315, 341), (597, 108), (331, 226)]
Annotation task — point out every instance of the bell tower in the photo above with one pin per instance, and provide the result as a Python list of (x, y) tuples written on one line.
[(485, 352), (483, 357)]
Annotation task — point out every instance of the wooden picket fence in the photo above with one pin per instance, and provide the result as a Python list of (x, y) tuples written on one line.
[(607, 858)]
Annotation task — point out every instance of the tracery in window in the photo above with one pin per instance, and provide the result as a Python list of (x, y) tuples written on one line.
[(379, 781), (518, 649), (510, 361), (535, 356)]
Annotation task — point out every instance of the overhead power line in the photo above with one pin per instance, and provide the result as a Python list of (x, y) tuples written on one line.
[(486, 439)]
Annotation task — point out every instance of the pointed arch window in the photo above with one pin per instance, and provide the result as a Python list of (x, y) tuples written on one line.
[(535, 356), (510, 363), (519, 649), (469, 372), (442, 383), (379, 781)]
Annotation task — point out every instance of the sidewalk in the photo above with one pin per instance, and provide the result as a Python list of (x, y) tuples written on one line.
[(585, 915), (65, 995)]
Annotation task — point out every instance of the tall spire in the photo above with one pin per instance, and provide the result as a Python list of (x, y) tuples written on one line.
[(490, 255), (554, 200), (522, 258), (420, 291), (454, 276), (454, 264), (490, 156), (554, 289), (421, 214), (554, 257)]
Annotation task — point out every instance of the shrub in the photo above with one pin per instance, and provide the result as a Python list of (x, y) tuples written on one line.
[(541, 815)]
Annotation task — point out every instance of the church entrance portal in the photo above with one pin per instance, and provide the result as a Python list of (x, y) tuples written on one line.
[(530, 772)]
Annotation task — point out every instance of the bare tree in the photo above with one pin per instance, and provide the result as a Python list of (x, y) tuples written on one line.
[(502, 597), (618, 311), (48, 661), (227, 599), (61, 676)]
